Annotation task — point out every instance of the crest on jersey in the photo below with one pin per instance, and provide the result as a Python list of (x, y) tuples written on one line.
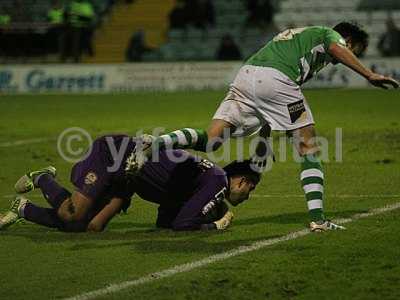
[(90, 178), (205, 165)]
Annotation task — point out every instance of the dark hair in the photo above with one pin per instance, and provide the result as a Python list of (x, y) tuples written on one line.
[(353, 31), (242, 168)]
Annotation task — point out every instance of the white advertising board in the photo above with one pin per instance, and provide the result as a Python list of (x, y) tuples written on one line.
[(159, 76)]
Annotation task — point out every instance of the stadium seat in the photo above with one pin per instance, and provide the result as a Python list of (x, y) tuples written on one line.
[(167, 52), (152, 56), (176, 34), (207, 51), (321, 12), (373, 5), (380, 16), (396, 16), (194, 33)]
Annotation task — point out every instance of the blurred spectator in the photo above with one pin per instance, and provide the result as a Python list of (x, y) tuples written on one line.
[(260, 13), (55, 16), (18, 43), (80, 22), (389, 42), (228, 50), (178, 18), (5, 18), (137, 47)]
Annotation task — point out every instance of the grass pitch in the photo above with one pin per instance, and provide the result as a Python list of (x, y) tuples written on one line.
[(360, 263)]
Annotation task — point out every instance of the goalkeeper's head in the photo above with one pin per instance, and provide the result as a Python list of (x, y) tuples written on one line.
[(242, 181)]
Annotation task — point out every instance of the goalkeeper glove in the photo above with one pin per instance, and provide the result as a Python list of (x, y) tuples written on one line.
[(261, 164), (225, 221)]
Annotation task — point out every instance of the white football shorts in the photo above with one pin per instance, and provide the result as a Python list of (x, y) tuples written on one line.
[(261, 95)]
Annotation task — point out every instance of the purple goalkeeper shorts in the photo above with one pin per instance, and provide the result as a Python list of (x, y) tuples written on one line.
[(100, 175)]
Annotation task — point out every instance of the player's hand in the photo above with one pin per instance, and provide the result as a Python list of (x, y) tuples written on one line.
[(382, 81), (95, 227), (225, 221)]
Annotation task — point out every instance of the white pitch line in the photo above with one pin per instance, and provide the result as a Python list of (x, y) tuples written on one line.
[(24, 142), (40, 140), (114, 288)]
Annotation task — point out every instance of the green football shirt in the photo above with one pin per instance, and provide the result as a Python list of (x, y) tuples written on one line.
[(298, 53)]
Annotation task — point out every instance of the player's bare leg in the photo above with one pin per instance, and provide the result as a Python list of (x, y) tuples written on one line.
[(312, 177), (218, 132), (304, 140)]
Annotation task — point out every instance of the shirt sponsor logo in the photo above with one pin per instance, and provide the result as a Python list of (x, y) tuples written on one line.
[(220, 196), (296, 110), (40, 80)]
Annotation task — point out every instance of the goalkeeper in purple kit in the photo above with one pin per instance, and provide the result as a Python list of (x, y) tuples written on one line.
[(190, 191)]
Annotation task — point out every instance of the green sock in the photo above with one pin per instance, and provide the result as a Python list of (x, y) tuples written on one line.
[(186, 138), (312, 181)]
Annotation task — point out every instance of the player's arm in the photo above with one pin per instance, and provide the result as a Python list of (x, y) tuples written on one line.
[(99, 222), (190, 216), (347, 57)]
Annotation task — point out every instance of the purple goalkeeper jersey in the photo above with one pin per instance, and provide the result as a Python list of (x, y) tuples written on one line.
[(185, 186)]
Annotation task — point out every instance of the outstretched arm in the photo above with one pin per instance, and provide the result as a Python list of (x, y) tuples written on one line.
[(99, 222), (346, 57)]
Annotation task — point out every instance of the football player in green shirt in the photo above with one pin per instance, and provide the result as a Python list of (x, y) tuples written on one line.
[(266, 95)]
